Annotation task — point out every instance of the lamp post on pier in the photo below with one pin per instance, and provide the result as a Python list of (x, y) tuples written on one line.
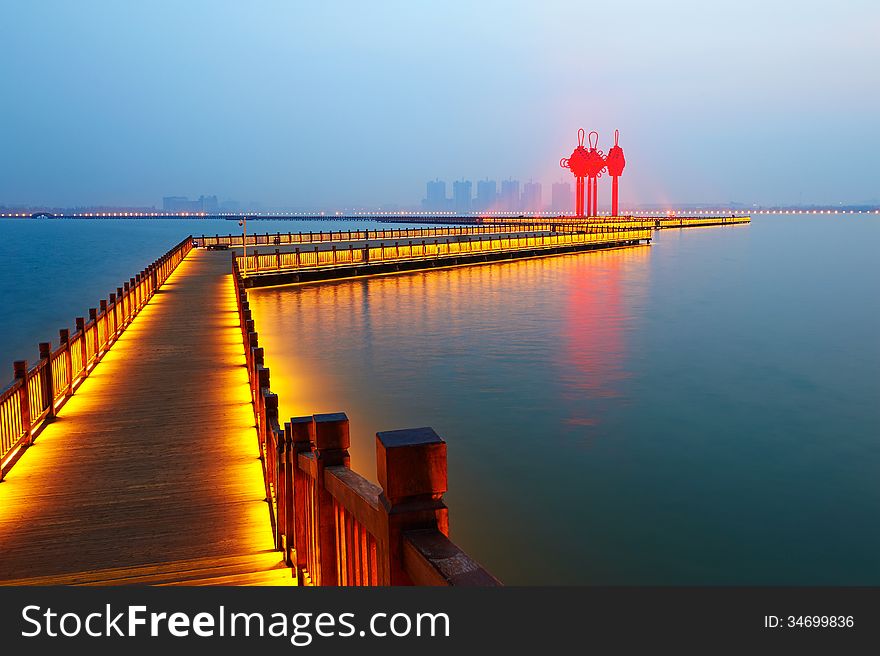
[(243, 223)]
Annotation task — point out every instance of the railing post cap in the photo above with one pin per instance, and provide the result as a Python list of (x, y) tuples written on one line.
[(331, 431), (19, 367), (411, 462), (303, 429), (45, 349)]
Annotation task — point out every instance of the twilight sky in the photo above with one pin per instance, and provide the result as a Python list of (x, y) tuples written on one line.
[(332, 104)]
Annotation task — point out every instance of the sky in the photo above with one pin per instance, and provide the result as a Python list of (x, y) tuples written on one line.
[(323, 104)]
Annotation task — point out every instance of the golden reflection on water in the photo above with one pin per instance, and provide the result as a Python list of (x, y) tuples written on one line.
[(387, 349)]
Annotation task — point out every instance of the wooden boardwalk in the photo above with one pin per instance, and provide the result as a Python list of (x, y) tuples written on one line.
[(150, 474)]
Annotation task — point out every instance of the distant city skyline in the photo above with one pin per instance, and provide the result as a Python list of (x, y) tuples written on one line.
[(528, 198)]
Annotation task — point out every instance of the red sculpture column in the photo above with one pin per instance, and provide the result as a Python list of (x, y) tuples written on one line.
[(615, 163), (595, 166), (577, 164)]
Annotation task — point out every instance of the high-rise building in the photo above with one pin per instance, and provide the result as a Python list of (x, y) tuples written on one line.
[(509, 199), (461, 196), (531, 197), (487, 195), (206, 204), (561, 198), (435, 196), (176, 204)]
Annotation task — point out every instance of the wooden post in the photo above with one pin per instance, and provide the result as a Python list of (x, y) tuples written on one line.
[(47, 383), (331, 449), (411, 468), (274, 467), (262, 384), (115, 316), (105, 319), (277, 258), (284, 494), (84, 356), (138, 292), (302, 434), (19, 369), (120, 299), (64, 339), (126, 289), (93, 318)]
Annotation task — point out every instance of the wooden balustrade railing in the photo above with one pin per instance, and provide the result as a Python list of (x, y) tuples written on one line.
[(436, 249), (333, 525), (570, 223), (289, 238), (37, 393)]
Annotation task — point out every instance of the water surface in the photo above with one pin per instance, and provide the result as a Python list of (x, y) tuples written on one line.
[(702, 411)]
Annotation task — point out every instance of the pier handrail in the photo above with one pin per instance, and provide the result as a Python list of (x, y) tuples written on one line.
[(36, 394), (333, 525), (436, 249), (573, 222), (326, 236)]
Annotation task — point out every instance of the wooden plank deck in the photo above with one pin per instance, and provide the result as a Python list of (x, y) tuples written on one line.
[(150, 474)]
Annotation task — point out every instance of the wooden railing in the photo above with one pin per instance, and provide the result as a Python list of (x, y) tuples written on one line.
[(334, 526), (435, 250), (576, 224), (37, 393), (288, 238)]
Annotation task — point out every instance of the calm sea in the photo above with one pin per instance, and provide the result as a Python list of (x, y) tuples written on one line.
[(703, 410)]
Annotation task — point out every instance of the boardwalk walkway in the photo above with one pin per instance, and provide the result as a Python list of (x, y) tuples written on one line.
[(151, 472)]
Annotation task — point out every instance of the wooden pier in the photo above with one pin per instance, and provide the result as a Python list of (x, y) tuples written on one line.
[(481, 226), (369, 258), (129, 458), (149, 474), (128, 451)]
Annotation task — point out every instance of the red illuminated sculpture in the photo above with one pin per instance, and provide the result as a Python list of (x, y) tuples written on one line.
[(615, 162), (578, 163), (589, 164), (595, 166)]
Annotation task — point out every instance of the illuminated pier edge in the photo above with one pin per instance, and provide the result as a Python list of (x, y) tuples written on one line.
[(486, 226), (38, 393), (332, 525), (315, 264)]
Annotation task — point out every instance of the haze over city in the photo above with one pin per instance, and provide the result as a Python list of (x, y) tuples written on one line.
[(126, 104)]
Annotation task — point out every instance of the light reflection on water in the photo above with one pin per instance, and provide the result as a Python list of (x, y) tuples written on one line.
[(685, 413)]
